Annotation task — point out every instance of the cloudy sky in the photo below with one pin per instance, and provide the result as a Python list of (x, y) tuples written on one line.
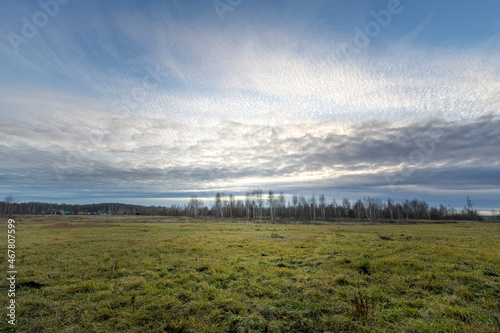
[(151, 101)]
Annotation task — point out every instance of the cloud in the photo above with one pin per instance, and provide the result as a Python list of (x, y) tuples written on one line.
[(280, 157), (173, 66), (157, 98)]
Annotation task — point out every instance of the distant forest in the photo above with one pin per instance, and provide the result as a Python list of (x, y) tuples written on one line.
[(263, 205)]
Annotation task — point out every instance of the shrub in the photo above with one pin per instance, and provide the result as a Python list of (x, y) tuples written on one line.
[(362, 306)]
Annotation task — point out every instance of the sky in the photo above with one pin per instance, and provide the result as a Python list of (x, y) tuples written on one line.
[(151, 102)]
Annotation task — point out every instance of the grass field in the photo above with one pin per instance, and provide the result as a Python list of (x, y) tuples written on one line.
[(140, 274)]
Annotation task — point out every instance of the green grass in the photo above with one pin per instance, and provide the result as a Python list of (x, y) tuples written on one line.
[(135, 274)]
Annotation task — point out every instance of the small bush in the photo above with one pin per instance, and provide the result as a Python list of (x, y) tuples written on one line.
[(362, 306)]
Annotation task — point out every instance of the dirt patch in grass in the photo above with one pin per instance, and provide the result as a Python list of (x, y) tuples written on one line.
[(284, 239), (199, 225), (31, 284), (79, 225)]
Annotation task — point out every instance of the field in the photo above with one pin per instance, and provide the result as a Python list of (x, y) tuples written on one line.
[(151, 274)]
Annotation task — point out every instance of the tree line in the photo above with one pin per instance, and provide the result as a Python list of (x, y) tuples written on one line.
[(258, 204)]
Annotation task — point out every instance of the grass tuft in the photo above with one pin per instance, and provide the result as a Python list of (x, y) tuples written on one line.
[(362, 306)]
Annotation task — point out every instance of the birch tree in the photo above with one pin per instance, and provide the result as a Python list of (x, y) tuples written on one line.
[(218, 205), (295, 201), (347, 205), (322, 206), (270, 201)]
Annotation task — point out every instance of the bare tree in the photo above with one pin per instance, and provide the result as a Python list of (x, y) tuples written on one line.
[(406, 208), (302, 205), (9, 205), (247, 204), (193, 206), (322, 206), (358, 208), (313, 207), (231, 205), (347, 205), (295, 201), (260, 201), (270, 201), (282, 204), (218, 205), (334, 205), (367, 205), (254, 204), (389, 207)]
